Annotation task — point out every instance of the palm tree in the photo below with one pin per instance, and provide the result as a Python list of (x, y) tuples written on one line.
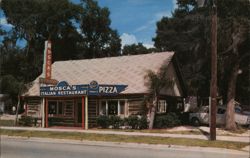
[(155, 83)]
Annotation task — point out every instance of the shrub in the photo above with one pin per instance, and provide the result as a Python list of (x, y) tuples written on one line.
[(168, 120), (26, 121), (125, 121), (133, 121), (103, 121), (142, 122), (115, 121)]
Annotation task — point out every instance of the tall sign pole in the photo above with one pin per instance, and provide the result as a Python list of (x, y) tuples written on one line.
[(47, 62), (213, 86)]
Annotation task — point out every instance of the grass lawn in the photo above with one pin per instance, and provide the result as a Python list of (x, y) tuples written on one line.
[(6, 122), (126, 139), (154, 131)]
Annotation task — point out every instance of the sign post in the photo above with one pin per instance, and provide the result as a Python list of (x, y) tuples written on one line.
[(86, 113), (213, 88), (83, 112), (47, 62)]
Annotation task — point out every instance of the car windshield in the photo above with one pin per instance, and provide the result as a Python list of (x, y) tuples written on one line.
[(238, 109)]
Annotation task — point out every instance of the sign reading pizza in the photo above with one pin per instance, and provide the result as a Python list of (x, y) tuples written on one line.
[(92, 89)]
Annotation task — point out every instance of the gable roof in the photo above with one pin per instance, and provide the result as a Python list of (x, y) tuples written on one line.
[(127, 70)]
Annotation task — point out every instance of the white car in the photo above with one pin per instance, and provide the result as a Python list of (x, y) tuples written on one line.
[(202, 117)]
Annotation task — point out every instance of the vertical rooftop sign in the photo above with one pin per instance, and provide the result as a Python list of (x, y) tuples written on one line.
[(47, 60)]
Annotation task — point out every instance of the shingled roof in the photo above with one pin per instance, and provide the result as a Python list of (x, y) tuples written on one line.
[(128, 70)]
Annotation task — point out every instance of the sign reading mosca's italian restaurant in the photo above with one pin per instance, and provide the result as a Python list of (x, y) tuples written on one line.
[(92, 89)]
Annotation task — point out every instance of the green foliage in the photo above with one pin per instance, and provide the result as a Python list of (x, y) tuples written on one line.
[(99, 39), (36, 21), (135, 49), (115, 121), (76, 30), (26, 121), (137, 122), (10, 85), (157, 81), (133, 121), (166, 120), (103, 121), (143, 122), (188, 33)]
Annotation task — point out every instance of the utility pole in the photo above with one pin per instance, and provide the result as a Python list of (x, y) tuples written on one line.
[(213, 86)]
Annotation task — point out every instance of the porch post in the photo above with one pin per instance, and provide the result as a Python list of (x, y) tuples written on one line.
[(46, 113), (43, 112), (86, 113), (26, 108), (119, 108), (83, 112)]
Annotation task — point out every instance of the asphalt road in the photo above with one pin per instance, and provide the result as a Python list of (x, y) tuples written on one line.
[(43, 148)]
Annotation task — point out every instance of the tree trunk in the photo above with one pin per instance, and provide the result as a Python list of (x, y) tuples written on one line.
[(17, 109), (152, 117), (230, 116), (152, 113)]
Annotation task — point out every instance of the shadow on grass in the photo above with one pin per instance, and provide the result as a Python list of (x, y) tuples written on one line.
[(205, 133)]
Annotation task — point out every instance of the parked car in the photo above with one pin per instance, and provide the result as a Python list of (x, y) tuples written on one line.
[(238, 109), (202, 116)]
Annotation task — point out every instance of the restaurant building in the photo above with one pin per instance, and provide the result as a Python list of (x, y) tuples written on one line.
[(85, 89)]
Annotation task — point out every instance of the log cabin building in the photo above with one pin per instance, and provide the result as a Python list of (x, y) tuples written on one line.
[(103, 86)]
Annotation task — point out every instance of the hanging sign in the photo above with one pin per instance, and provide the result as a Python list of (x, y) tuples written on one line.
[(48, 81), (92, 89)]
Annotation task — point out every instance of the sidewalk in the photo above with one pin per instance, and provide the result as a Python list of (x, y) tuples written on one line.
[(245, 139), (134, 145)]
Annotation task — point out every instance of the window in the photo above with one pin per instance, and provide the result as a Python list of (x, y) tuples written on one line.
[(122, 107), (162, 106), (60, 107), (112, 107), (103, 108), (52, 107)]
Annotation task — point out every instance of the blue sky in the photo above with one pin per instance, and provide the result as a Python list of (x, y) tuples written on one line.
[(135, 20)]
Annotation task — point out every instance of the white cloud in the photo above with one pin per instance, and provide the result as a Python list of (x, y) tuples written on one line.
[(128, 39), (148, 45), (151, 23), (141, 28), (3, 22)]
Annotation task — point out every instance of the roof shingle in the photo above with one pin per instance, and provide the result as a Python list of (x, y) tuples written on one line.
[(128, 70)]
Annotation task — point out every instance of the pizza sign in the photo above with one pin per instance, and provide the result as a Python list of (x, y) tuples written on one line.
[(92, 89)]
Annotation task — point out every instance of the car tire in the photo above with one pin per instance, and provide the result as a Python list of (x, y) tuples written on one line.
[(195, 122)]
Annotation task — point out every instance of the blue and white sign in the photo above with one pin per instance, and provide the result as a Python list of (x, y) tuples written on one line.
[(92, 89)]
